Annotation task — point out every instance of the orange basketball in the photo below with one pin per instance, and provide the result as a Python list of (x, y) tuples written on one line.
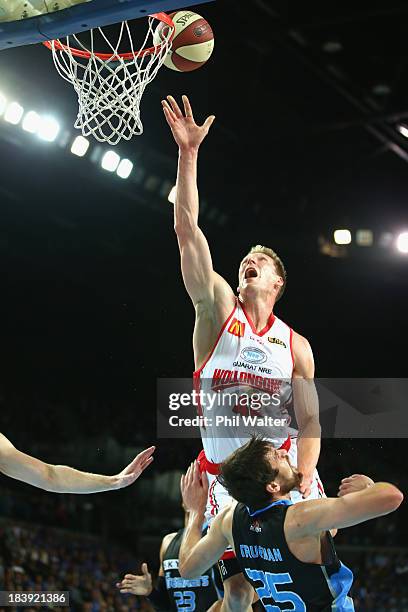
[(192, 44)]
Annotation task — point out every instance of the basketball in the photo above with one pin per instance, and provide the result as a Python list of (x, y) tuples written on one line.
[(192, 44)]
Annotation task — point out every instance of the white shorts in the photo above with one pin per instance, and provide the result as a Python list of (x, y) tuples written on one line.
[(218, 496)]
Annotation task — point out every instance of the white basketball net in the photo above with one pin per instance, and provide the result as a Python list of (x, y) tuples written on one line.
[(110, 90)]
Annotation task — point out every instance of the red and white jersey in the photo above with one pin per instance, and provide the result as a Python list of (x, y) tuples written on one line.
[(243, 364)]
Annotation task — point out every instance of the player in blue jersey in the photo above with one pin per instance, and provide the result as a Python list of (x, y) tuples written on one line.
[(171, 591), (285, 551)]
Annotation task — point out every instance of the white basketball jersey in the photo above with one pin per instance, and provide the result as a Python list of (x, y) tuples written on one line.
[(243, 366)]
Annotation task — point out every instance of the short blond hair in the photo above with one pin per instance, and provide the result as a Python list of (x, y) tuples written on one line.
[(280, 268)]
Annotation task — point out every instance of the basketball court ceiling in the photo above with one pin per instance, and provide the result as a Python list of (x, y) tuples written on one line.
[(307, 98)]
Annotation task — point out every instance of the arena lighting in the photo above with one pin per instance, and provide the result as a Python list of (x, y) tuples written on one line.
[(48, 129), (172, 195), (364, 237), (3, 103), (31, 122), (403, 129), (13, 113), (342, 236), (402, 243), (386, 239), (110, 161), (80, 146), (125, 168)]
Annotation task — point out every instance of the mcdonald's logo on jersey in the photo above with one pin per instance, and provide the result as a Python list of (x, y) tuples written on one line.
[(237, 328)]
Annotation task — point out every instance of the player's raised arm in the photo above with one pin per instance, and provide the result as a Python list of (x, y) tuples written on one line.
[(64, 479), (199, 277), (197, 553), (359, 501)]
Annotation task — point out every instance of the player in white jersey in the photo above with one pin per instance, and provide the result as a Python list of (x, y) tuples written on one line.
[(239, 344)]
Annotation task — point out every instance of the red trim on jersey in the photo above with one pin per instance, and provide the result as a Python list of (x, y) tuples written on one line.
[(291, 347), (271, 321), (229, 554), (321, 488), (198, 371), (208, 466), (214, 468), (212, 500)]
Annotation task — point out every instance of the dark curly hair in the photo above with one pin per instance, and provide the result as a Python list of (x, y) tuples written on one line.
[(247, 471)]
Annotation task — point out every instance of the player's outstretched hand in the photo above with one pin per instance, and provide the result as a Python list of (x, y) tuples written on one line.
[(132, 472), (354, 483), (137, 585), (187, 134), (194, 489)]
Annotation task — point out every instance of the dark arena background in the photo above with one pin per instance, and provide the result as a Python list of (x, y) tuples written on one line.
[(310, 137)]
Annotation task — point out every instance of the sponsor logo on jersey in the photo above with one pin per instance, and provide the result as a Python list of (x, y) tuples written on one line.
[(222, 567), (237, 328), (277, 341), (170, 564), (256, 526), (253, 355), (176, 582)]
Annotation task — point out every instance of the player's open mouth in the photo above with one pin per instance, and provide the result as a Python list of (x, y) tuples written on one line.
[(251, 273)]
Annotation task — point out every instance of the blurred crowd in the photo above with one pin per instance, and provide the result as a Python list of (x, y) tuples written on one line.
[(69, 550), (37, 558), (46, 559), (381, 583)]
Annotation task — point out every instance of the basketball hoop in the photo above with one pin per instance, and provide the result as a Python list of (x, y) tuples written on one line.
[(110, 85)]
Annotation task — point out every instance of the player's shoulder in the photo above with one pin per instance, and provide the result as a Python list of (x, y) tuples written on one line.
[(167, 540), (224, 519), (302, 356), (300, 341), (302, 519)]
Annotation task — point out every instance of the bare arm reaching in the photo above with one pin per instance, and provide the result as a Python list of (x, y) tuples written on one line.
[(64, 479), (211, 295), (198, 553), (359, 502)]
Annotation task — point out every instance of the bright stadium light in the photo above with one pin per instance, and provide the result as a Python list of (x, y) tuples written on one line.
[(3, 103), (172, 195), (110, 161), (48, 129), (80, 146), (342, 236), (124, 169), (402, 243), (403, 129), (13, 113), (31, 122)]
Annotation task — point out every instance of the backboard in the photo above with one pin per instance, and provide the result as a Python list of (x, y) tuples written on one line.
[(78, 18)]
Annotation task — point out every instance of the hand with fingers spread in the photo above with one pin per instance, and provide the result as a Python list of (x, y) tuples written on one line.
[(354, 483), (132, 472), (194, 489), (187, 134), (137, 585)]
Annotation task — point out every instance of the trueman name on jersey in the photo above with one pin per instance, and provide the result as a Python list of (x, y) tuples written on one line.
[(255, 552)]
